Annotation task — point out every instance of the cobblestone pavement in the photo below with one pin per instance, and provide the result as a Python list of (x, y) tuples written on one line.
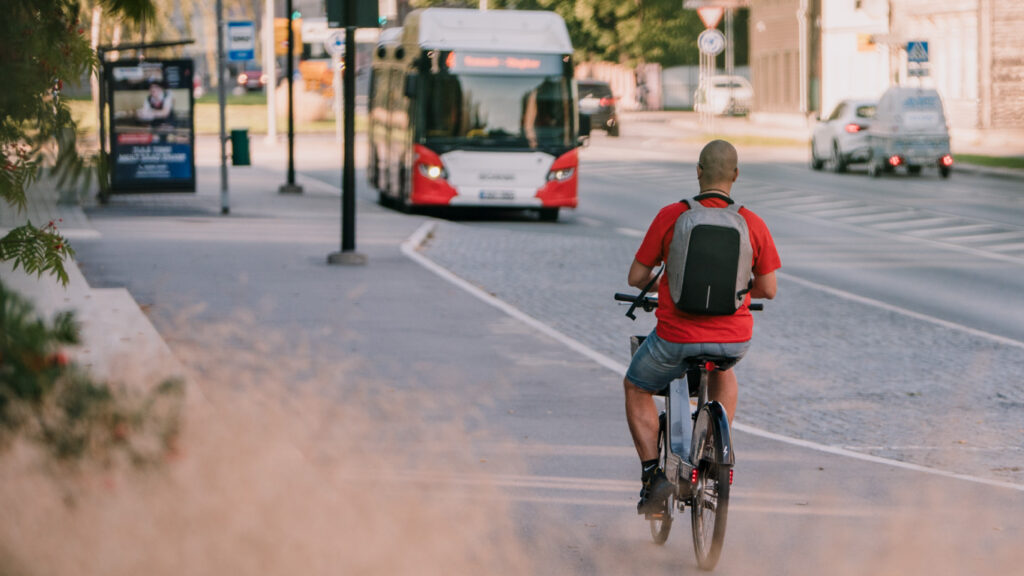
[(867, 379)]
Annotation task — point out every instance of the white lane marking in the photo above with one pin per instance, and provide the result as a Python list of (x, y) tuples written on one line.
[(890, 308), (592, 222), (410, 249), (630, 232)]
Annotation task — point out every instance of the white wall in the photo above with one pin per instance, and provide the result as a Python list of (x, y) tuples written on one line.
[(846, 70)]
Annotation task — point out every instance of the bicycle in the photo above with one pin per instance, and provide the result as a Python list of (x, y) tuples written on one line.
[(701, 482)]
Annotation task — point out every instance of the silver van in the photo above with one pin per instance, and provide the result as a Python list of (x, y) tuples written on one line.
[(909, 129)]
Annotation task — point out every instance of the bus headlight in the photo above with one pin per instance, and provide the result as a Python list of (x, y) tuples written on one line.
[(561, 175), (432, 171)]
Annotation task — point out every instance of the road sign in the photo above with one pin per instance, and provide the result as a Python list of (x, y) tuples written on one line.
[(241, 41), (710, 15), (711, 41), (335, 43), (917, 52)]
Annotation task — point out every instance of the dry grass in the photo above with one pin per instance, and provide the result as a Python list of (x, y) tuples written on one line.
[(276, 474)]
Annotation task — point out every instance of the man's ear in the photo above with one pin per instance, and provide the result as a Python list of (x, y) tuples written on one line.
[(735, 174)]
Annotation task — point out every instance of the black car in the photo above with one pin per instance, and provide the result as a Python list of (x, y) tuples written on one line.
[(596, 101)]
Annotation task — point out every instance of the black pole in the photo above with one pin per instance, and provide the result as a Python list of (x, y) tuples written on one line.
[(289, 186), (348, 212), (104, 184), (348, 254)]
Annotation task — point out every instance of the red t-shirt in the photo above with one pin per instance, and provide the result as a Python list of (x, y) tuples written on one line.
[(677, 326)]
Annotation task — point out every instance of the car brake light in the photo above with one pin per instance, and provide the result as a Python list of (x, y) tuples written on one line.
[(607, 101), (947, 160), (854, 128), (895, 161)]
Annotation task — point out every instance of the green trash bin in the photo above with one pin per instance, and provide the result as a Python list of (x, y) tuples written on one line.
[(240, 147)]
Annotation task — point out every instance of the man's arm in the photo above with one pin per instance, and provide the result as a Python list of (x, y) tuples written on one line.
[(764, 286), (640, 275)]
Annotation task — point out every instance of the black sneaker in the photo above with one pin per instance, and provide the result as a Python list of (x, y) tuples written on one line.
[(654, 494)]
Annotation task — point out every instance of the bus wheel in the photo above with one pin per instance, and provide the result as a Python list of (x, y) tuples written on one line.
[(549, 214)]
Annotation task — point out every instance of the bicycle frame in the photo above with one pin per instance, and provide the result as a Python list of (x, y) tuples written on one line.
[(681, 422)]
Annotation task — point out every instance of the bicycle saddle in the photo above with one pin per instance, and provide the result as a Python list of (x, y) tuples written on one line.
[(720, 362)]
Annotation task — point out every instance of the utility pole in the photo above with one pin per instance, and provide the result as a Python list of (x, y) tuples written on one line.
[(290, 187), (270, 67), (222, 103)]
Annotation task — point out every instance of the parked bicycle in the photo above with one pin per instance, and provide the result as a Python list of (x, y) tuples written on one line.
[(694, 447)]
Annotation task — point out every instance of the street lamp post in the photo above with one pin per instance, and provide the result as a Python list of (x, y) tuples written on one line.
[(290, 187)]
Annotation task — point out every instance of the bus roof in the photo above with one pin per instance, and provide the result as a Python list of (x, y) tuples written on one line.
[(488, 30)]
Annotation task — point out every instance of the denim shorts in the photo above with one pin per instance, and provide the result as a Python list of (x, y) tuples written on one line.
[(658, 362)]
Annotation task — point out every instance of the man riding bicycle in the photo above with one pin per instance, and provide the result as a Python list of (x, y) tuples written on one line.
[(678, 335)]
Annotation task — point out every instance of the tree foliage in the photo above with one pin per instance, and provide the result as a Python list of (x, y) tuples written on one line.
[(43, 45), (658, 31)]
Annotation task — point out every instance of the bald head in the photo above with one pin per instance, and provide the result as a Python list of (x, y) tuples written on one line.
[(717, 167)]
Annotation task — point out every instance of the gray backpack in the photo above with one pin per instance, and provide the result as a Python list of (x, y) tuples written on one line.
[(710, 260)]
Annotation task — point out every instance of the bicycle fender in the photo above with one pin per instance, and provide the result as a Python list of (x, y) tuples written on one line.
[(715, 412)]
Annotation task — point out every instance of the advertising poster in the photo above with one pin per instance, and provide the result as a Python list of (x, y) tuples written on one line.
[(151, 128)]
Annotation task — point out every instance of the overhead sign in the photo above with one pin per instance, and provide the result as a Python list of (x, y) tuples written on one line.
[(917, 52), (241, 41), (358, 13), (711, 41), (314, 30), (710, 15)]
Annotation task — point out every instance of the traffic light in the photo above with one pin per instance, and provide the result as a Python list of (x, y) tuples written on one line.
[(281, 36), (358, 13)]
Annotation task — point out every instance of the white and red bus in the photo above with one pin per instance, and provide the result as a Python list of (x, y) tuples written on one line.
[(475, 108)]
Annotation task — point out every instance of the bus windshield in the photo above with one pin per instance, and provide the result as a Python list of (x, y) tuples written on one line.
[(497, 101)]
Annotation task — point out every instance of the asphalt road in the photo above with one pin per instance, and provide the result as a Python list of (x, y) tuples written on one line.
[(851, 363)]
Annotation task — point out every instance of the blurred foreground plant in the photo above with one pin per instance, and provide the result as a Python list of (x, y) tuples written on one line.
[(49, 400), (42, 46)]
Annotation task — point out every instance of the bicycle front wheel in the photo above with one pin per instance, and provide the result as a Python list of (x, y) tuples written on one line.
[(711, 497)]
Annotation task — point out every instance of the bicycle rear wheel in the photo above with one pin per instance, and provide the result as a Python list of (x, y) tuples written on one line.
[(662, 525), (711, 498)]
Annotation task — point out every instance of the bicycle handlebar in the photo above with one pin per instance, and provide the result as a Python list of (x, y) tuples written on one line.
[(650, 302)]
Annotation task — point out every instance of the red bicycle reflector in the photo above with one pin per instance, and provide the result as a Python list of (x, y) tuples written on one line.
[(853, 128), (895, 160), (730, 476), (947, 160), (709, 366), (606, 101), (693, 476)]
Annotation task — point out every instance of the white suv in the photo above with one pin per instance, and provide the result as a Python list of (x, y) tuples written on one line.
[(723, 95), (842, 138)]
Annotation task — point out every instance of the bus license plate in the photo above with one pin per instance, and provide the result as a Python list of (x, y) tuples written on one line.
[(497, 195)]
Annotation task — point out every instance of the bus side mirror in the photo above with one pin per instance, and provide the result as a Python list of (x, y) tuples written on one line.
[(411, 85)]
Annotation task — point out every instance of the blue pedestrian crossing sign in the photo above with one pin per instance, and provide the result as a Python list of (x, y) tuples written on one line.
[(917, 52)]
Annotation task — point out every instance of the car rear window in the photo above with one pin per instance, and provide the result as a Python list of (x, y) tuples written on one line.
[(866, 111), (597, 90)]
